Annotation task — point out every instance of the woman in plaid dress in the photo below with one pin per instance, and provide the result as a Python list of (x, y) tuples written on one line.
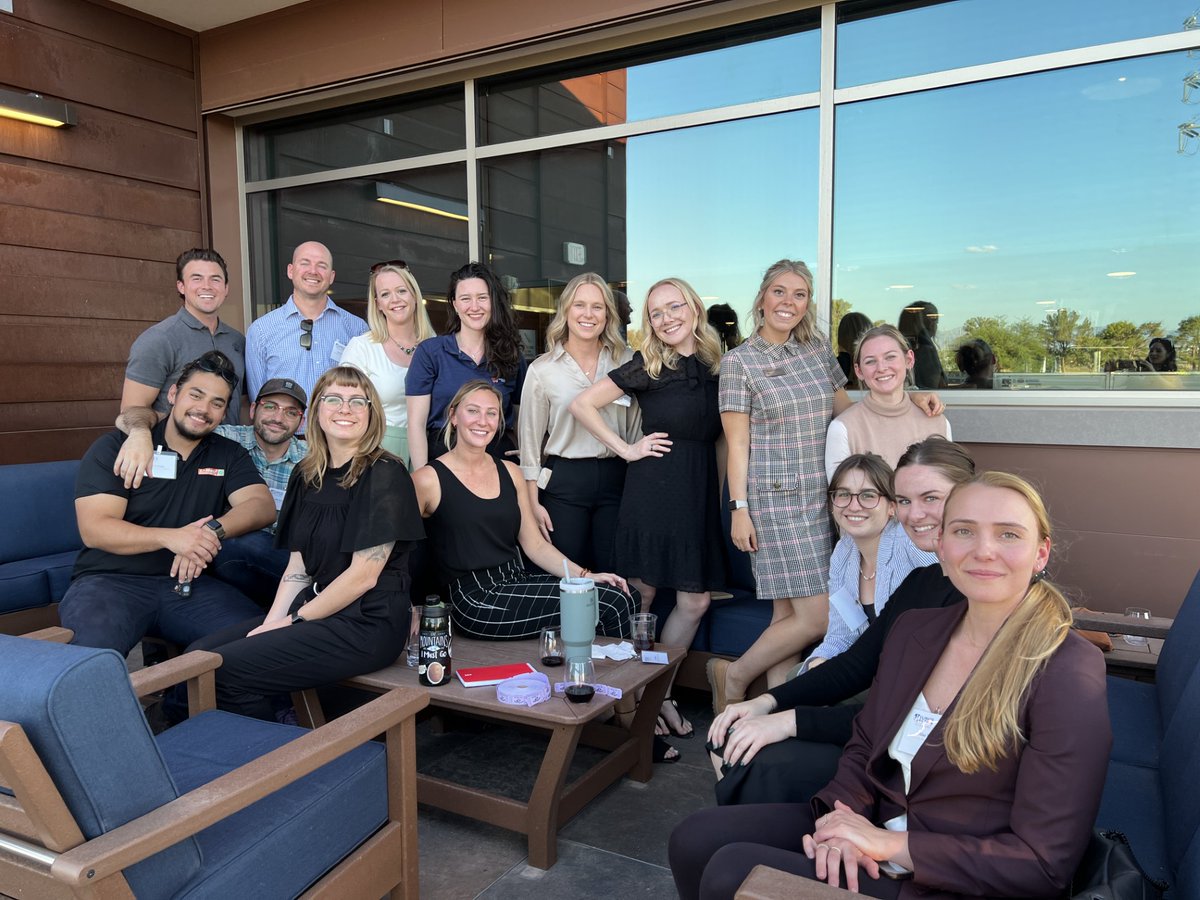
[(779, 391)]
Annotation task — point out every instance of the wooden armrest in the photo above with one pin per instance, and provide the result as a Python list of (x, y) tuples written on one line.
[(765, 883), (156, 830), (54, 633), (1115, 623), (173, 671)]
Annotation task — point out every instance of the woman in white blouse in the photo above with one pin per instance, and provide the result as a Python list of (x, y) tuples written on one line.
[(396, 313), (575, 482)]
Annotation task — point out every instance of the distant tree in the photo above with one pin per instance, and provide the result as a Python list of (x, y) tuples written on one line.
[(1067, 337), (1148, 330), (1120, 340), (1018, 346), (1187, 343)]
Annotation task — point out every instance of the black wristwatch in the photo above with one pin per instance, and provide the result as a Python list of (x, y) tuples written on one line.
[(217, 527)]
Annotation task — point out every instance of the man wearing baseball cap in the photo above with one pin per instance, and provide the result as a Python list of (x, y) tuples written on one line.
[(250, 562)]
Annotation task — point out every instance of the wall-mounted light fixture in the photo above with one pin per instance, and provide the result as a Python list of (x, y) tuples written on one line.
[(410, 199), (35, 108)]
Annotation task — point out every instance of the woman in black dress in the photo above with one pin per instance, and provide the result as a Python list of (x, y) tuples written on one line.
[(350, 519), (481, 519), (784, 745), (669, 526)]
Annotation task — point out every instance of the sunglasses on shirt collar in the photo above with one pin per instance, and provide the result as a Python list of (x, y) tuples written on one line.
[(306, 327)]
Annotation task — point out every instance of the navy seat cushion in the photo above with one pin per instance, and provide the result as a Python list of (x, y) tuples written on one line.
[(283, 843), (1132, 803), (1179, 756), (1137, 726), (79, 712), (23, 585), (1179, 659), (40, 502), (735, 624), (59, 567)]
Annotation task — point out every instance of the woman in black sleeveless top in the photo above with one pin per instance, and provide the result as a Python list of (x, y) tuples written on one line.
[(479, 521)]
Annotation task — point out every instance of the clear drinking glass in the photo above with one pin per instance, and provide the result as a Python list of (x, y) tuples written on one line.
[(552, 647), (644, 626), (581, 676)]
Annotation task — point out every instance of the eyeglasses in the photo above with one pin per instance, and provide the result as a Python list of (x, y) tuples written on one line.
[(334, 401), (868, 499), (290, 411), (675, 309), (398, 263), (306, 327)]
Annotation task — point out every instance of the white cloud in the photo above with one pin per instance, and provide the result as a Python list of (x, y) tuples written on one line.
[(986, 248)]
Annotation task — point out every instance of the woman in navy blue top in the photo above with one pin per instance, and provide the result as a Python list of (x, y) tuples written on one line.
[(481, 343)]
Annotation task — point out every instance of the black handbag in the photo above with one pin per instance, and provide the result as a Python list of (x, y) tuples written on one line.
[(1109, 871)]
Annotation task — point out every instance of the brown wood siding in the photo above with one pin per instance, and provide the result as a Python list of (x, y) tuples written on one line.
[(1127, 525), (91, 217)]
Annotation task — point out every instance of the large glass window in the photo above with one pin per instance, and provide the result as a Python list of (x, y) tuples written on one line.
[(877, 41), (418, 216), (1049, 214), (714, 205), (398, 128), (737, 65)]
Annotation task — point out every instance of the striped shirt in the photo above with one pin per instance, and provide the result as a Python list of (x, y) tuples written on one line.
[(273, 348)]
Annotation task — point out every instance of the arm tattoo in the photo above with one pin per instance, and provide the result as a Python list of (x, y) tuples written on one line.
[(299, 577), (376, 554)]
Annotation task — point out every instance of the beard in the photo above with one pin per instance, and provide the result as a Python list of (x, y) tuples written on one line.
[(271, 438), (184, 427)]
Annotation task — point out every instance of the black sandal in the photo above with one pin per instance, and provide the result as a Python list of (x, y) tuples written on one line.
[(684, 735), (661, 749)]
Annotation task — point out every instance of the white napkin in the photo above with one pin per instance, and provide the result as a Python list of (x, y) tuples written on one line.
[(623, 650)]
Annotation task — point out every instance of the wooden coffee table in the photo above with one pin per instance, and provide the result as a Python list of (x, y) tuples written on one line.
[(553, 802)]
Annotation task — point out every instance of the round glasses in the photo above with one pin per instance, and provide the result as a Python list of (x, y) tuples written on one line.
[(868, 499), (333, 401)]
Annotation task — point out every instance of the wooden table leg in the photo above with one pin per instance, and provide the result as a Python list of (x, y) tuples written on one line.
[(642, 728), (542, 814)]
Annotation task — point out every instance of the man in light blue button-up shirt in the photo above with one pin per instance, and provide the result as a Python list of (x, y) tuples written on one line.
[(306, 336)]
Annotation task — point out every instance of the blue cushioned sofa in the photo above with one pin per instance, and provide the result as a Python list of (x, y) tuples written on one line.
[(220, 806), (38, 543)]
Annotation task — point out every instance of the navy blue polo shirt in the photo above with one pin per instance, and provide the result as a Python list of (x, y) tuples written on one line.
[(438, 369), (216, 468)]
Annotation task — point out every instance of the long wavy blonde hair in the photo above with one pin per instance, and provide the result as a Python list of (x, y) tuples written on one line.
[(610, 338), (316, 461), (656, 355), (983, 728), (376, 318), (806, 329)]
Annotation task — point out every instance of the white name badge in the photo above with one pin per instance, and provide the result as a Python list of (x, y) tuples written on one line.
[(165, 464), (338, 349), (656, 657)]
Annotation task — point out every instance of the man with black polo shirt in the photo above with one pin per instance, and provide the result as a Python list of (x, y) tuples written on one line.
[(143, 545)]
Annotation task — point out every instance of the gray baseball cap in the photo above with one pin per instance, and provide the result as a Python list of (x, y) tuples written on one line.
[(284, 386)]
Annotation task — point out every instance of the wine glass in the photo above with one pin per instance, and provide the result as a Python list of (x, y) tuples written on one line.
[(581, 676), (552, 647)]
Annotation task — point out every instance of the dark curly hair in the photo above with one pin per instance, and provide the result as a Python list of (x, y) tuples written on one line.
[(501, 339)]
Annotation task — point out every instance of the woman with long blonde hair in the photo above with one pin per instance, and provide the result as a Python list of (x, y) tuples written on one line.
[(574, 481), (779, 391), (977, 764), (350, 519), (669, 524), (399, 322)]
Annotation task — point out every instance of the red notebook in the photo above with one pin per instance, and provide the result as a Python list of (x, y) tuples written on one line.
[(481, 676)]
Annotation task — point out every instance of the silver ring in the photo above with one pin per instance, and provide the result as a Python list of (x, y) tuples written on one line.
[(834, 849), (819, 846)]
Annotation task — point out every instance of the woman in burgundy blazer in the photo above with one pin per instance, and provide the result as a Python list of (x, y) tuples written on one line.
[(1002, 793)]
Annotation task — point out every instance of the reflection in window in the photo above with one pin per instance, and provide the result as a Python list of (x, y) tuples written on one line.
[(879, 40), (418, 216), (757, 61), (359, 135), (714, 205), (1049, 215)]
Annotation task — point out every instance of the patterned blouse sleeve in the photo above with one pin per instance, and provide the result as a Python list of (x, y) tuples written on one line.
[(735, 384), (632, 377)]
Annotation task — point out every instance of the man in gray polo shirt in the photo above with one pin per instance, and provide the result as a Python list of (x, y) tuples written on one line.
[(159, 353)]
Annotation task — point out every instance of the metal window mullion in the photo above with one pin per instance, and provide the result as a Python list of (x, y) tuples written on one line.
[(1025, 65), (475, 225), (366, 171), (825, 160)]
